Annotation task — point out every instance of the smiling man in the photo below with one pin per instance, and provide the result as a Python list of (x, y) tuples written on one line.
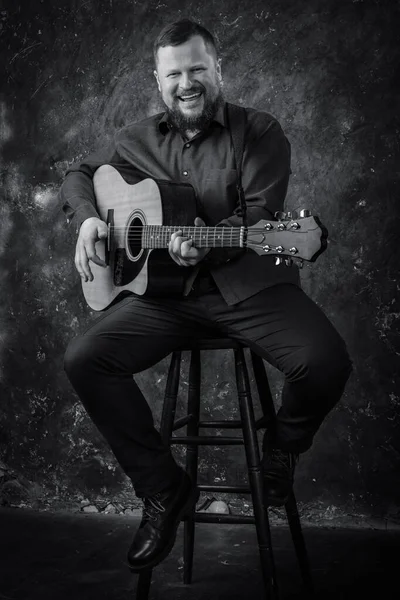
[(230, 292), (189, 79)]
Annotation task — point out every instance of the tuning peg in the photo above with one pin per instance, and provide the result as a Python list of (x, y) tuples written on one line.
[(304, 213), (288, 261), (292, 214), (300, 263), (280, 215), (278, 260)]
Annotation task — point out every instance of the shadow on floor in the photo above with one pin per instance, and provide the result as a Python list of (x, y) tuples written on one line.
[(68, 556)]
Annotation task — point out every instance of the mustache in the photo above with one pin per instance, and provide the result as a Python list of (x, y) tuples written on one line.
[(189, 91)]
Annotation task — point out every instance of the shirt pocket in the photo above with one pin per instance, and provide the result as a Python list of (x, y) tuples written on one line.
[(219, 195)]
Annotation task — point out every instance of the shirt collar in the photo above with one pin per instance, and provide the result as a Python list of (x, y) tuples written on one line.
[(219, 118)]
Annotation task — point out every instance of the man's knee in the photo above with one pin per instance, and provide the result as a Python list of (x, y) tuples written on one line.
[(331, 364), (327, 363), (81, 352)]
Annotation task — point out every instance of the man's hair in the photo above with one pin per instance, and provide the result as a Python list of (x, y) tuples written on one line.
[(180, 32)]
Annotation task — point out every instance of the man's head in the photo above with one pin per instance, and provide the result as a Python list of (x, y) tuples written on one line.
[(188, 74)]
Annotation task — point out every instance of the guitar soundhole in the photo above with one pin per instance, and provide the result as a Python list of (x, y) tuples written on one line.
[(133, 244)]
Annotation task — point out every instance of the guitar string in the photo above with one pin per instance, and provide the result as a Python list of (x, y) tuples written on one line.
[(220, 229)]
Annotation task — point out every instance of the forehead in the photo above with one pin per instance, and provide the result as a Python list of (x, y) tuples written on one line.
[(190, 52)]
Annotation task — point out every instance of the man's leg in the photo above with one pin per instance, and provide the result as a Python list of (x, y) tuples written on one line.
[(284, 326), (130, 337)]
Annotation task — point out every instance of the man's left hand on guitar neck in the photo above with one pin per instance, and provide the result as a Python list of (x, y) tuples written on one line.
[(183, 252)]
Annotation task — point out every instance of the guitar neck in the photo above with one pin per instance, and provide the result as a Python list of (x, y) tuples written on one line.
[(158, 236)]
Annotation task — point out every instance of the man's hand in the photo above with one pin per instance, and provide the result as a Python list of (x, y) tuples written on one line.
[(92, 230), (182, 251)]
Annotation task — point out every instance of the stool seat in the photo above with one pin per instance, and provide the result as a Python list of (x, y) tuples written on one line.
[(249, 426), (212, 343)]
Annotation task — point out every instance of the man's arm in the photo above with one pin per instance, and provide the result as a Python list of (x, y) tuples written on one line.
[(265, 177), (77, 193), (79, 205)]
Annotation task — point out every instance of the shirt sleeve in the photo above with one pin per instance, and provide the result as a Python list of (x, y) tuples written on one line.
[(77, 193), (265, 177)]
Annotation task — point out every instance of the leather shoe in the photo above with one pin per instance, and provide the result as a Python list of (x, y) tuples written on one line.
[(162, 514), (278, 472)]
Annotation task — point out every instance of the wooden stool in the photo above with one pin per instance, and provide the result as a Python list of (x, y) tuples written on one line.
[(249, 427)]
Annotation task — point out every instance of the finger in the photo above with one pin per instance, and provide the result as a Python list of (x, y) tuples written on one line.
[(90, 249), (176, 234), (187, 250), (199, 222), (172, 251), (82, 263), (102, 232), (176, 244)]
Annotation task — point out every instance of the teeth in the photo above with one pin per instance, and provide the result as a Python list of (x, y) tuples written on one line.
[(190, 97)]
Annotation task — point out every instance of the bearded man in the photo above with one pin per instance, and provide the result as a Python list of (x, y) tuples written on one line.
[(232, 292)]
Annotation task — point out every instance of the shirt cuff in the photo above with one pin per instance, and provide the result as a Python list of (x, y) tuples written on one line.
[(81, 214)]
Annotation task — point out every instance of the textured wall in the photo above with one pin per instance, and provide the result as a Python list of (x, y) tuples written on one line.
[(74, 72)]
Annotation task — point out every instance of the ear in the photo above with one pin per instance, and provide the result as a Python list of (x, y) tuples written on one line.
[(157, 79)]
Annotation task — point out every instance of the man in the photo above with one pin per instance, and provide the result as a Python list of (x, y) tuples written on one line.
[(234, 292)]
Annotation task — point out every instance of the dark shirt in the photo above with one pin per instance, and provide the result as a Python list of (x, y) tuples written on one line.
[(153, 148)]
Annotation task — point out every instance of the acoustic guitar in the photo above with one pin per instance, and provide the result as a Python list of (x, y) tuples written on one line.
[(140, 220)]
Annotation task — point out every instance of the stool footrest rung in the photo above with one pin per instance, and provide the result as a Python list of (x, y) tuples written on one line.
[(182, 422), (207, 440), (229, 489), (226, 424), (200, 517)]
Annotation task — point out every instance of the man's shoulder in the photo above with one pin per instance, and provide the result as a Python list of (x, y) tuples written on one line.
[(259, 121)]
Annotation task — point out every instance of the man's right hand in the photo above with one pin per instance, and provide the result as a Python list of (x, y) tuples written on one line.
[(92, 230)]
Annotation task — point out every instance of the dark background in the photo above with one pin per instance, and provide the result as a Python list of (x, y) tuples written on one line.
[(73, 73)]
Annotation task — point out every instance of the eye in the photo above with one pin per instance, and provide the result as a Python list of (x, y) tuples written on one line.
[(172, 74), (198, 69)]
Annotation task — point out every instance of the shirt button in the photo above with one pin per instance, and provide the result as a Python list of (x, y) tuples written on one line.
[(185, 173), (187, 145)]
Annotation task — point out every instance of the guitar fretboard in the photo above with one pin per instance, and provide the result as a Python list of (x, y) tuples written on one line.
[(158, 236)]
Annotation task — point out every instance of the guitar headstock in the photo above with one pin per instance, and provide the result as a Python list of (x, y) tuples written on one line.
[(292, 236)]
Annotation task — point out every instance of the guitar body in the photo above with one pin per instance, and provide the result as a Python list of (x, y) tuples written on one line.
[(126, 208)]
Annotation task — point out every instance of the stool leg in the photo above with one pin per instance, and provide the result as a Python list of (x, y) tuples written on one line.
[(299, 544), (143, 585), (192, 455), (255, 476), (170, 397)]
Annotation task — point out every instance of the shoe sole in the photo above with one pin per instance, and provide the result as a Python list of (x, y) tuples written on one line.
[(193, 499)]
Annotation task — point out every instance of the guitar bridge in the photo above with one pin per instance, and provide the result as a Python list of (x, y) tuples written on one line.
[(110, 224)]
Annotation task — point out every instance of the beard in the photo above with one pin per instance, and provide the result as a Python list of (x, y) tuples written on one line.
[(198, 122)]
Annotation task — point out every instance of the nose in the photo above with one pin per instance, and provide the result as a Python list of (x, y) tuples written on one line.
[(185, 81)]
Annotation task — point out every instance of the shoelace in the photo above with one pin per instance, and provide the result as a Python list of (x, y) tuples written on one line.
[(152, 508)]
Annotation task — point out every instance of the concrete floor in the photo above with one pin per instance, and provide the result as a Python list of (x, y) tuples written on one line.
[(69, 556)]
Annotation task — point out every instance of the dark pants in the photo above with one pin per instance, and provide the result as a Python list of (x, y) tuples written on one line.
[(281, 324)]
